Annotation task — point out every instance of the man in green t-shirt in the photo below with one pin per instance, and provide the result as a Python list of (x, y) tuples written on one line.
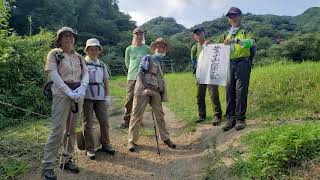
[(133, 56), (198, 35)]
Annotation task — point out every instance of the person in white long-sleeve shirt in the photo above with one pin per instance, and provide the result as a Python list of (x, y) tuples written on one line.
[(69, 73)]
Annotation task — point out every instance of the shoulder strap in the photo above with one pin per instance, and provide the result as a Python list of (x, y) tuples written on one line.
[(80, 60), (58, 56), (104, 68)]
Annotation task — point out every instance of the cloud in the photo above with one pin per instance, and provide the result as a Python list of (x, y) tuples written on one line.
[(144, 10), (192, 12)]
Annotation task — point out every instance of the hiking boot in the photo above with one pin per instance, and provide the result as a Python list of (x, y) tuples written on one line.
[(131, 147), (201, 119), (170, 144), (108, 149), (70, 167), (124, 125), (216, 121), (49, 174), (91, 155), (241, 124), (229, 125)]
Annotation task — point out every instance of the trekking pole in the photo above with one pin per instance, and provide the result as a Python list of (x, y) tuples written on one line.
[(68, 129), (155, 131)]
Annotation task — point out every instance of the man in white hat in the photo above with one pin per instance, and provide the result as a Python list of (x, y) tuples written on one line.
[(97, 99), (133, 56), (150, 88)]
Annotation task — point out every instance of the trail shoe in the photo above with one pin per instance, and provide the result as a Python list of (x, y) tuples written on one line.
[(131, 147), (91, 155), (229, 125), (71, 167), (170, 144), (124, 125), (49, 174), (108, 149), (216, 121), (241, 124), (201, 119)]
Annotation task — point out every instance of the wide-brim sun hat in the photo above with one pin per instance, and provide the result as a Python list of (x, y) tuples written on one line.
[(63, 30), (159, 41), (91, 43)]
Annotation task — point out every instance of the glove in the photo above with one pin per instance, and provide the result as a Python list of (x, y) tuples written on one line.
[(81, 90), (108, 101), (74, 96)]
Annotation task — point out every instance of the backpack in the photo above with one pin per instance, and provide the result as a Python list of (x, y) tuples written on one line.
[(47, 87)]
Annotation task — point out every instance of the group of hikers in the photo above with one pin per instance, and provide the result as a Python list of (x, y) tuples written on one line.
[(81, 85)]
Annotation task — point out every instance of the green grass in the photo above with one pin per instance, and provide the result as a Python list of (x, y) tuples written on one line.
[(274, 151), (21, 145), (118, 85), (281, 91), (285, 92), (277, 92)]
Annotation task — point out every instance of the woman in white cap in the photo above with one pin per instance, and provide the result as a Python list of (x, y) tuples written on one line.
[(69, 74), (97, 99)]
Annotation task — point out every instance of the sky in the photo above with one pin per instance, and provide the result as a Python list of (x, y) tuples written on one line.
[(193, 12)]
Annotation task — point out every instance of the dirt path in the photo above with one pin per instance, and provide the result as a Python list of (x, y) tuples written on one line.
[(185, 162)]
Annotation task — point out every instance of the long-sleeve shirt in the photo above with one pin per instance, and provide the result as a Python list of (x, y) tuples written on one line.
[(240, 50), (133, 57), (71, 68)]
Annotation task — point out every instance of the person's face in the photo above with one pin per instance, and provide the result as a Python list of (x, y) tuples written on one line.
[(160, 49), (234, 20), (93, 52), (198, 36), (67, 40), (139, 37)]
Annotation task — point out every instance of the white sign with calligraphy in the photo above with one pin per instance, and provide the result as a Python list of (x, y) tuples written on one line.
[(213, 64)]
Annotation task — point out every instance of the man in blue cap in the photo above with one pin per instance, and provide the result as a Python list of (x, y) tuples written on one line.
[(198, 35)]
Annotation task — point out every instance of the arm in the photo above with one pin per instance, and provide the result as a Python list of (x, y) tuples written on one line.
[(106, 87), (85, 74), (247, 41), (194, 56), (144, 65), (52, 69), (127, 57), (106, 80), (55, 77)]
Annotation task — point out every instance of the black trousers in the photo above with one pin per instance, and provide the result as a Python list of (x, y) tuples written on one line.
[(237, 89), (214, 94)]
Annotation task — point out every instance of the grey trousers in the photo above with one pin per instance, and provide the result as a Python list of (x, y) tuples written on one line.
[(130, 94), (61, 107), (237, 89)]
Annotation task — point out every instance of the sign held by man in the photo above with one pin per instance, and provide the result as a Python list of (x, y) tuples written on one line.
[(213, 65)]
